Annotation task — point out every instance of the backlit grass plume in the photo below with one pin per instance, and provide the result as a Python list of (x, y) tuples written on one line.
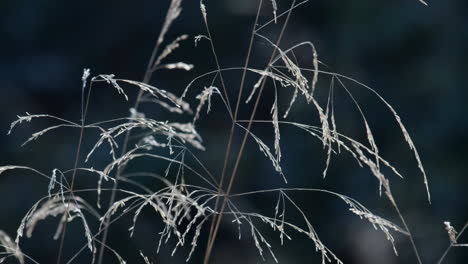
[(188, 197)]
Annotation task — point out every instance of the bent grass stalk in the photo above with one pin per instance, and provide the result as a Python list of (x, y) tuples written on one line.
[(233, 126), (239, 155), (172, 14)]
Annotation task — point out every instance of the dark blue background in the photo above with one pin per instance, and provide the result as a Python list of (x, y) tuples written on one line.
[(415, 56)]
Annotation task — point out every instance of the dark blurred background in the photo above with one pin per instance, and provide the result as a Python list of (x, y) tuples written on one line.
[(413, 55)]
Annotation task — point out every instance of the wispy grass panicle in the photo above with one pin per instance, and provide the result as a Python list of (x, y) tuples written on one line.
[(9, 249), (186, 193)]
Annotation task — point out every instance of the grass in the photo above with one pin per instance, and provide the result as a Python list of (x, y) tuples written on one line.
[(192, 199)]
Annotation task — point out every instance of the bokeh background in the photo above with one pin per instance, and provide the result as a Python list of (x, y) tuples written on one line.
[(413, 55)]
